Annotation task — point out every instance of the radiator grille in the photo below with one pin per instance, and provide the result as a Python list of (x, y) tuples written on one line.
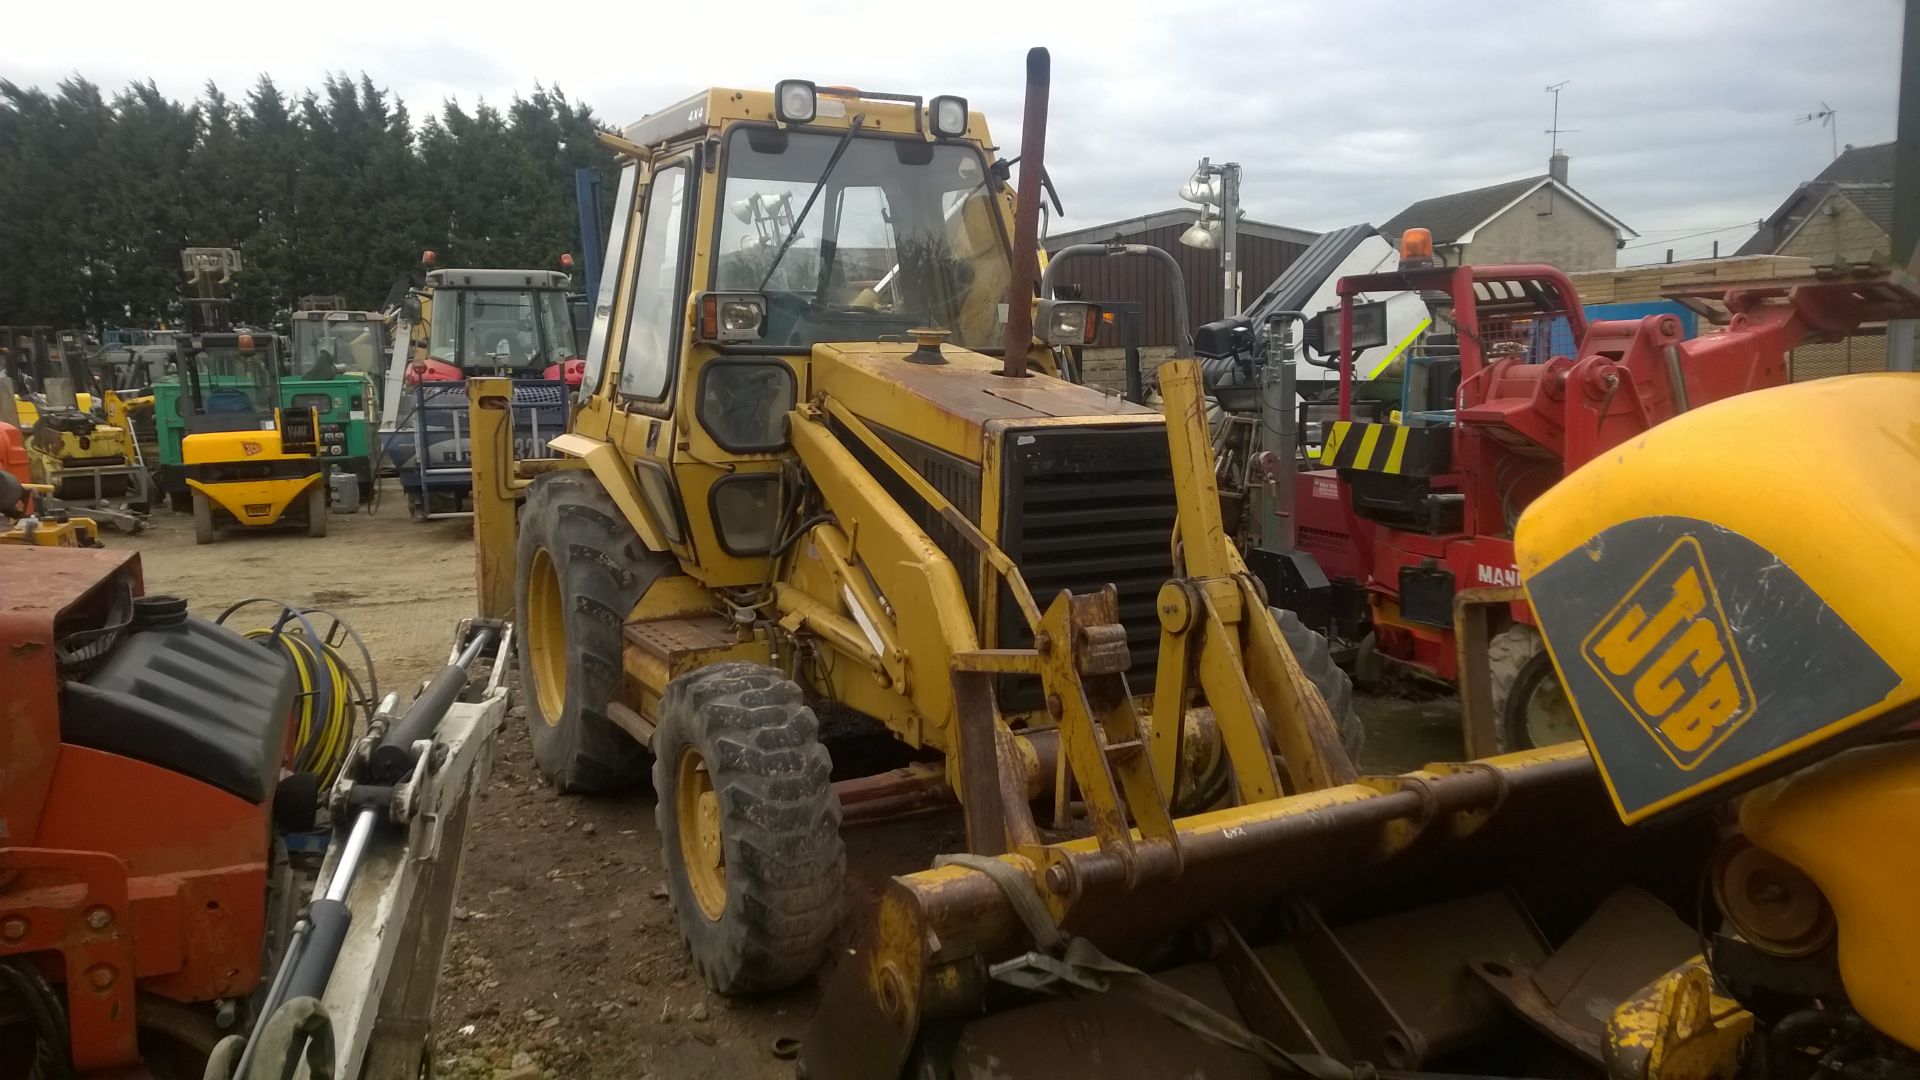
[(1084, 508)]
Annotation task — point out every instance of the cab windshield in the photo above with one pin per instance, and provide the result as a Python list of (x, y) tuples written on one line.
[(902, 234), (329, 348), (224, 381), (510, 330)]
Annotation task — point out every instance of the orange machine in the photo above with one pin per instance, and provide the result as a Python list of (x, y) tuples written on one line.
[(141, 869)]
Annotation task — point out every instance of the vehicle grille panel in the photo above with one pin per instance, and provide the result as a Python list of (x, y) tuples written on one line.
[(1084, 508)]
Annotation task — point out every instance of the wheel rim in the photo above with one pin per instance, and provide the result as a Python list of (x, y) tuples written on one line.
[(1548, 714), (547, 637), (701, 849)]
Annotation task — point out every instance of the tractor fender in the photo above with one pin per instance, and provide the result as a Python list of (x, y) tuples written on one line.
[(607, 466)]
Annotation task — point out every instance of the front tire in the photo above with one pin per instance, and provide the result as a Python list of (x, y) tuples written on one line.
[(317, 510), (1529, 703), (581, 571), (204, 530), (749, 825), (1310, 648)]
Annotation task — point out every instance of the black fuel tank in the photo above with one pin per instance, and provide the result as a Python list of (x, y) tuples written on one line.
[(188, 695)]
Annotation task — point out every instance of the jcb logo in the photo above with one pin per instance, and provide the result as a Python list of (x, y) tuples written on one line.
[(1666, 652), (249, 448)]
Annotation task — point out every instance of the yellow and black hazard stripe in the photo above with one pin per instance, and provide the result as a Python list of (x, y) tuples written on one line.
[(1394, 449)]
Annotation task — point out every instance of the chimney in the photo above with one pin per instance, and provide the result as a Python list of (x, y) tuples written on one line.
[(1557, 166)]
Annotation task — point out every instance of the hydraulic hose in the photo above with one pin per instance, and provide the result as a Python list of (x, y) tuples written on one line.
[(38, 1006)]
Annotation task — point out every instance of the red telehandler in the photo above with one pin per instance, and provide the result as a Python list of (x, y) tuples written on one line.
[(1512, 390)]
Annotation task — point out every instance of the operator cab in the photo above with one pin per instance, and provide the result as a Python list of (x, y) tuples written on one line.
[(515, 323), (232, 382), (1401, 472), (335, 344)]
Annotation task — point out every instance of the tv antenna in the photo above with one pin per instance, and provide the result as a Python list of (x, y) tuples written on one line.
[(1828, 118), (1554, 132)]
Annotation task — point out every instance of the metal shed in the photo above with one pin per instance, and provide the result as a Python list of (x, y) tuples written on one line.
[(1265, 251)]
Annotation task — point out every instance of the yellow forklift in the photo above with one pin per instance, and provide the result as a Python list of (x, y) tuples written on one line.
[(245, 460)]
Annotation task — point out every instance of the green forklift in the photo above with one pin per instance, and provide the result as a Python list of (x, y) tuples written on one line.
[(334, 369)]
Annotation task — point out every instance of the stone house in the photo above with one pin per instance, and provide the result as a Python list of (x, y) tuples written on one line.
[(1535, 219)]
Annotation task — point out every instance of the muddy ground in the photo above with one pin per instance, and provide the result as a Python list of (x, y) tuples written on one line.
[(564, 961)]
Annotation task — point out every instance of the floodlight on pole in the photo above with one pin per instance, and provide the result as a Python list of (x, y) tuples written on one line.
[(1216, 190), (1201, 235)]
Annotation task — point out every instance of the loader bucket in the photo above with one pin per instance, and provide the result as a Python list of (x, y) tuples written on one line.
[(1355, 923)]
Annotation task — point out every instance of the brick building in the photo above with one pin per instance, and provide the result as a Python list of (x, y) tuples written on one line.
[(1844, 216)]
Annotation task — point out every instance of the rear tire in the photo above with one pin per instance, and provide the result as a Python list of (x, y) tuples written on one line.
[(317, 510), (1310, 648), (749, 825), (581, 571), (204, 530)]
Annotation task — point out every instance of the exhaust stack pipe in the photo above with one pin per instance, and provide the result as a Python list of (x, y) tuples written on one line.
[(1026, 215)]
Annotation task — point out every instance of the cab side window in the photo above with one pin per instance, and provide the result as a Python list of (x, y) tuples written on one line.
[(653, 321), (599, 341)]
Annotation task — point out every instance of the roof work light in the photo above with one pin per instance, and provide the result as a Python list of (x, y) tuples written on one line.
[(947, 116), (794, 101)]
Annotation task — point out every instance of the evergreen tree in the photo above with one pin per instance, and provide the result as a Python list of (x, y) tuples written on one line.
[(332, 191)]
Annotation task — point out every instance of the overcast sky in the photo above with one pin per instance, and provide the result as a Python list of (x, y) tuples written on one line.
[(1683, 110)]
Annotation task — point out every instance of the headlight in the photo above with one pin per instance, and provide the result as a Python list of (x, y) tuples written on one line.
[(731, 317), (948, 116), (1067, 322), (793, 101)]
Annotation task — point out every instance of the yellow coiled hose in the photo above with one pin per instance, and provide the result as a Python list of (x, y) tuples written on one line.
[(331, 700)]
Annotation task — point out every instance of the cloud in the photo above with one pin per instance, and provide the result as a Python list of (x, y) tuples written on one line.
[(1680, 114)]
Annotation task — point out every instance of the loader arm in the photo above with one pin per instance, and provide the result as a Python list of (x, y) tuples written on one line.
[(871, 562)]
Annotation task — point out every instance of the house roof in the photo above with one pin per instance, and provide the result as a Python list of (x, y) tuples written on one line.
[(1133, 226), (1453, 219), (1449, 217), (1858, 165)]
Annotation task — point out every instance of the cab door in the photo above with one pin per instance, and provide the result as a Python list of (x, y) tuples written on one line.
[(645, 335)]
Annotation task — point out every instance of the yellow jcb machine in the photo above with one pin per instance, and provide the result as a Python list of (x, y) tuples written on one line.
[(245, 460), (27, 516), (820, 457), (79, 448), (1732, 653)]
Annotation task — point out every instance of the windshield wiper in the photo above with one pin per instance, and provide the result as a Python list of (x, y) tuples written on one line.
[(793, 231)]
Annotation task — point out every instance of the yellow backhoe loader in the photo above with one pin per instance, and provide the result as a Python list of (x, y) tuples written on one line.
[(820, 457)]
